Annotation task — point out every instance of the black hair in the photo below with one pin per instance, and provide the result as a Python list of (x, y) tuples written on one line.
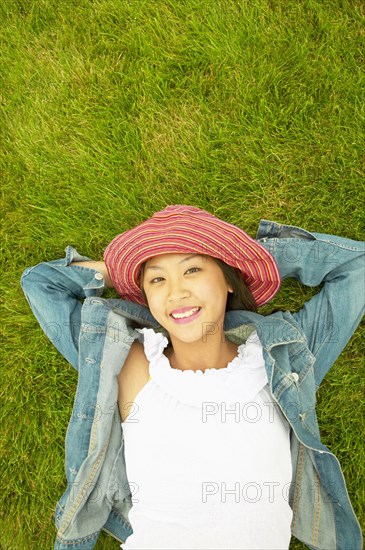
[(240, 298)]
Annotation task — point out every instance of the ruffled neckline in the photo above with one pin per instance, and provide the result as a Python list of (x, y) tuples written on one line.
[(241, 379)]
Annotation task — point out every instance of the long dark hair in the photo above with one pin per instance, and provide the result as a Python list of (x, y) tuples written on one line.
[(240, 298)]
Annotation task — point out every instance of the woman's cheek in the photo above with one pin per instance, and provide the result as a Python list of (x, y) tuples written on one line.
[(154, 304)]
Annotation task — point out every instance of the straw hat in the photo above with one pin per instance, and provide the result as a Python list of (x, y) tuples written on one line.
[(181, 229)]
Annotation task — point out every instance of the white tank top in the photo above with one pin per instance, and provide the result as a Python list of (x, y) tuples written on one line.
[(207, 456)]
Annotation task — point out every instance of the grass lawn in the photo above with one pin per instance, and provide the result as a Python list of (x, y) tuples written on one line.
[(112, 109)]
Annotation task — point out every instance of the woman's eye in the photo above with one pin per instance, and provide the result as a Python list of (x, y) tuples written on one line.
[(192, 270), (156, 280)]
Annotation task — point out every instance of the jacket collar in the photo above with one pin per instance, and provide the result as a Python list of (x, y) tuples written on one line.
[(272, 330)]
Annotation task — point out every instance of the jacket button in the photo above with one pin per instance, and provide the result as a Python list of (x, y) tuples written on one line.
[(295, 376), (98, 276)]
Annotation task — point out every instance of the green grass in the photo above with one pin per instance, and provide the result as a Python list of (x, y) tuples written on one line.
[(112, 109)]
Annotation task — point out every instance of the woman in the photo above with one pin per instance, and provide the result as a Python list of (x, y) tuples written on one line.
[(178, 472)]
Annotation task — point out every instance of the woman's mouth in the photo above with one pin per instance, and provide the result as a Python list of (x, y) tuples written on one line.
[(185, 314)]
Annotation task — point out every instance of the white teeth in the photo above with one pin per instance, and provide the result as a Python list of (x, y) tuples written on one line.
[(185, 314)]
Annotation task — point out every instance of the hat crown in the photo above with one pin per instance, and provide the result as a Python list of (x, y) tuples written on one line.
[(182, 209)]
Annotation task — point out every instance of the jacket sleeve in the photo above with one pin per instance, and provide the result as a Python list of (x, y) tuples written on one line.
[(55, 291), (330, 317)]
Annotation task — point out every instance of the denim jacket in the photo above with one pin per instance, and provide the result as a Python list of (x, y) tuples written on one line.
[(95, 334)]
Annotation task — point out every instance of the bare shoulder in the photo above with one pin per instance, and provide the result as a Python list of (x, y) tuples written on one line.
[(136, 363), (132, 377), (136, 355)]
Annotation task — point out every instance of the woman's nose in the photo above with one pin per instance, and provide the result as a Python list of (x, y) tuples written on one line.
[(177, 290)]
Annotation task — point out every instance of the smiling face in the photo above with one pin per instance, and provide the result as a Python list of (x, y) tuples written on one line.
[(187, 295)]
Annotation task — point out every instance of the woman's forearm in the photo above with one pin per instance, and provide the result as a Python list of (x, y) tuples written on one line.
[(55, 293), (98, 266)]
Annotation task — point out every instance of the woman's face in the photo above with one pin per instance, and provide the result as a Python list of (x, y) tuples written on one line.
[(187, 295)]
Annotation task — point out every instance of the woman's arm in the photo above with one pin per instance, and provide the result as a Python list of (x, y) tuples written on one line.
[(97, 266), (55, 291), (329, 318)]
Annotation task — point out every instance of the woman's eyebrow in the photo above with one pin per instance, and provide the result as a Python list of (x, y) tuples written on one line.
[(189, 258), (156, 266)]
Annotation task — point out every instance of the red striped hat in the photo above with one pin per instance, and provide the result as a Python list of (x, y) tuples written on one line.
[(181, 229)]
